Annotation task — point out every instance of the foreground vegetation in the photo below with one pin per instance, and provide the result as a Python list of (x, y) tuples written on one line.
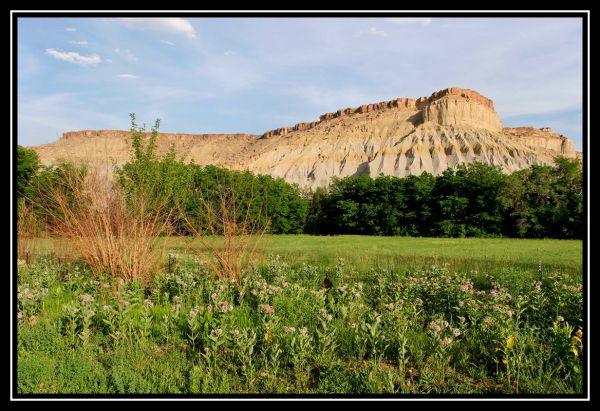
[(299, 328)]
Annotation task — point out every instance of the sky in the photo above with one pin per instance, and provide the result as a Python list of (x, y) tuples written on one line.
[(250, 75)]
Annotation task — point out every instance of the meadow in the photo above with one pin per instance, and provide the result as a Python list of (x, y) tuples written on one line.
[(315, 315)]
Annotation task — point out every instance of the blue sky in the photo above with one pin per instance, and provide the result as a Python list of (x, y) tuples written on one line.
[(249, 75)]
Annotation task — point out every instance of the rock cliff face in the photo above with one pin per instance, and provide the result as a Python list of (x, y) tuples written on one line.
[(542, 138), (399, 137)]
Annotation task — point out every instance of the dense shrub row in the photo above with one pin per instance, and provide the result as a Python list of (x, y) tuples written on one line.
[(473, 200)]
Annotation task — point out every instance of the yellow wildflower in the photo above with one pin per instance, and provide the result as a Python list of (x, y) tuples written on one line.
[(579, 333), (510, 342), (505, 361)]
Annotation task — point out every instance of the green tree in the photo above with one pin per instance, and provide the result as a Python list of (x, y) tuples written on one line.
[(28, 164)]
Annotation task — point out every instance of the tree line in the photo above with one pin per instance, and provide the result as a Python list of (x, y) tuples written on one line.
[(471, 200)]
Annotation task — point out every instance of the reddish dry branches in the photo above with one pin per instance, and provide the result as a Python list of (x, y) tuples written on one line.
[(239, 230)]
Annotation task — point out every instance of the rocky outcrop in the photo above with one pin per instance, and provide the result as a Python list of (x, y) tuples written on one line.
[(452, 110), (398, 137), (543, 139), (104, 147), (451, 106)]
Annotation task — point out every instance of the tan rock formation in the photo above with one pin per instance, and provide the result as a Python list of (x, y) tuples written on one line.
[(397, 137), (542, 138)]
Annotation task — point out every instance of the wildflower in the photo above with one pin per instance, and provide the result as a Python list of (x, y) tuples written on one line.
[(105, 285), (494, 294), (33, 319), (285, 284), (343, 289), (488, 320), (224, 306), (209, 308), (456, 332), (194, 312), (390, 306), (86, 298), (96, 282), (329, 317), (496, 308), (148, 303), (289, 330), (401, 301), (19, 315), (253, 291), (176, 298), (266, 308), (510, 313), (123, 303), (461, 303), (561, 318), (214, 296), (418, 301), (446, 341), (322, 312), (360, 286), (462, 319), (510, 342), (579, 333), (44, 290), (537, 285), (176, 308), (263, 374), (235, 332), (303, 331), (90, 313), (206, 350), (353, 326), (107, 307), (217, 332)]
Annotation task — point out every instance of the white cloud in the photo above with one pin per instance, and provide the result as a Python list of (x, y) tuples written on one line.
[(168, 24), (79, 43), (74, 57), (127, 76), (409, 20), (70, 29), (373, 32), (128, 54), (167, 42)]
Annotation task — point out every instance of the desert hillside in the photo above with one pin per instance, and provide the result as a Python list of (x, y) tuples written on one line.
[(399, 137)]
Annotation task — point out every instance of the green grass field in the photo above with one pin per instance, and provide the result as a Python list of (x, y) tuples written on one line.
[(364, 252)]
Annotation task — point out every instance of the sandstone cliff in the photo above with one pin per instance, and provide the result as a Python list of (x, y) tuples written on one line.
[(542, 138), (398, 137)]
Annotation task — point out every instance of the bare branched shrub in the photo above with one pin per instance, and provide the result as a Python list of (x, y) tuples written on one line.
[(112, 236), (28, 229), (229, 233)]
